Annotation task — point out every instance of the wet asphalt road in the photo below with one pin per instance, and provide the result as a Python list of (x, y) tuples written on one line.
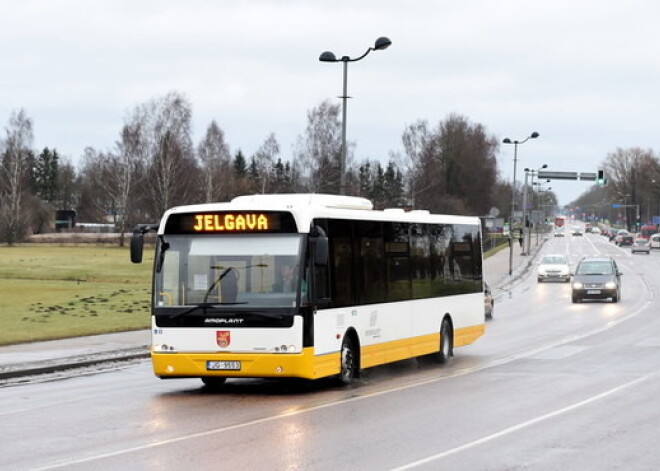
[(552, 385)]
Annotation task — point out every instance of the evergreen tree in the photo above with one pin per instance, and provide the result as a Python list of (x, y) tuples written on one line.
[(240, 165), (364, 179), (394, 186), (46, 175)]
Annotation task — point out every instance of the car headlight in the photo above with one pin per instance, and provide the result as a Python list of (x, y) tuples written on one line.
[(578, 285), (610, 285)]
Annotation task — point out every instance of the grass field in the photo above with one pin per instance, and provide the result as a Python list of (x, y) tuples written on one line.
[(54, 291)]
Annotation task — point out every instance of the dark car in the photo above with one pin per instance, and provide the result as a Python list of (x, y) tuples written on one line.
[(626, 240), (596, 278)]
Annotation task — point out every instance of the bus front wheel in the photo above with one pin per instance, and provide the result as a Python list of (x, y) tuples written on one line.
[(348, 361)]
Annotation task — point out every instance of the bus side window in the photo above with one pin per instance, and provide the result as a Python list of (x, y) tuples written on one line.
[(341, 262)]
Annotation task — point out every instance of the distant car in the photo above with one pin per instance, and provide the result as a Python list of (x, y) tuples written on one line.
[(624, 240), (654, 241), (554, 267), (596, 278), (489, 302), (577, 231), (595, 230), (642, 246), (621, 233)]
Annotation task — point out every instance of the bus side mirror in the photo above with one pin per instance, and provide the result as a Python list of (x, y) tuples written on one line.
[(137, 245), (137, 241), (320, 241)]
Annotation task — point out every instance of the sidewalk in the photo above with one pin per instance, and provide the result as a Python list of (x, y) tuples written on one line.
[(51, 356), (17, 361), (496, 267)]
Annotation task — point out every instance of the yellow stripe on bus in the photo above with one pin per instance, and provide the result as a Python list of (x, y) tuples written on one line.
[(305, 364)]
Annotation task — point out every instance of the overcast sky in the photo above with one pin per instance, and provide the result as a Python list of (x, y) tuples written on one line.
[(584, 74)]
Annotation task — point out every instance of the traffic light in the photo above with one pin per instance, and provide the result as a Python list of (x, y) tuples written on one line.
[(601, 180)]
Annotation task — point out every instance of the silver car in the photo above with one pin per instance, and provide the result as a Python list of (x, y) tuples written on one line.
[(554, 267), (641, 246)]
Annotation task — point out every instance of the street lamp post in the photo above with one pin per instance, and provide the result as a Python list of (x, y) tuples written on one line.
[(536, 198), (531, 173), (515, 143), (380, 44)]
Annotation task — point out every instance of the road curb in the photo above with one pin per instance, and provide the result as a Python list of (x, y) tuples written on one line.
[(19, 370)]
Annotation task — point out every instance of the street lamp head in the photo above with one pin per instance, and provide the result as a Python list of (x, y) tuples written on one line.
[(328, 56), (382, 43), (507, 141), (544, 166), (534, 135)]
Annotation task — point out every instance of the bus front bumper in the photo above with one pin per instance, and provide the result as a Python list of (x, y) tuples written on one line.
[(249, 365)]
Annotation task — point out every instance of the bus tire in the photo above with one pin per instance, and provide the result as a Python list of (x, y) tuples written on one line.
[(348, 366), (446, 343), (213, 382)]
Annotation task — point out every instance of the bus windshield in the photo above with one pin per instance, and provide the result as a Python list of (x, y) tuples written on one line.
[(228, 270)]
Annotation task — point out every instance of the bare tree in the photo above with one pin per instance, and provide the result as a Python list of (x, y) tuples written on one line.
[(417, 142), (122, 171), (215, 157), (66, 185), (165, 140), (452, 168), (265, 160), (319, 150), (630, 174), (95, 199), (13, 176), (469, 164)]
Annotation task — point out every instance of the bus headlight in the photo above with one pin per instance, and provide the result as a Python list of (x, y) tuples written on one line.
[(163, 348), (285, 349)]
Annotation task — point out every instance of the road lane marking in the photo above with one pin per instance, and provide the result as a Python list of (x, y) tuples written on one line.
[(521, 425)]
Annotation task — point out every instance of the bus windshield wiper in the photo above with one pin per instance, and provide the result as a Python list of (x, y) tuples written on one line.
[(216, 282), (161, 255)]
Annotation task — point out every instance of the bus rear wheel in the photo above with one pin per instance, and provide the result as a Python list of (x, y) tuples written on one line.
[(348, 361), (446, 343)]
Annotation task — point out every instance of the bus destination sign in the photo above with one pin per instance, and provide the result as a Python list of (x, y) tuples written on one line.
[(230, 222)]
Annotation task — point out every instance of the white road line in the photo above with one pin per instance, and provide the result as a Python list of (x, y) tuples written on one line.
[(521, 425)]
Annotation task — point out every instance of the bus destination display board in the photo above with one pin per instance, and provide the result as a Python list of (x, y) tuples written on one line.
[(231, 222)]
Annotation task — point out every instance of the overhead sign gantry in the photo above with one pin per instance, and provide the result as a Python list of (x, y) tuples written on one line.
[(599, 177)]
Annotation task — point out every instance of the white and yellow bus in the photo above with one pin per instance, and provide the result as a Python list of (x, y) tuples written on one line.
[(309, 286)]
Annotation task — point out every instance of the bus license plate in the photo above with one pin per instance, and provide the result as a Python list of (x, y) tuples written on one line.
[(593, 291), (223, 365)]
